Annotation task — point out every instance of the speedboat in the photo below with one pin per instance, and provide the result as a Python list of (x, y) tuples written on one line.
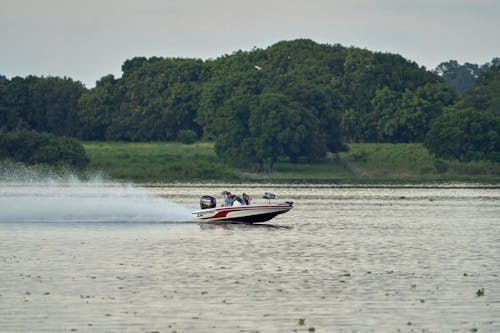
[(209, 211)]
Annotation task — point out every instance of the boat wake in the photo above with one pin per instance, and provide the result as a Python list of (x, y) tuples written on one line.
[(72, 200)]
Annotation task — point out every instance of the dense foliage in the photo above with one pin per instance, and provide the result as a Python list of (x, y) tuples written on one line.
[(153, 101), (295, 100), (322, 94), (469, 130), (32, 147), (462, 77), (40, 104)]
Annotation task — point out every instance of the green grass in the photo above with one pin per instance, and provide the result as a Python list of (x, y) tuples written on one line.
[(412, 162), (158, 161), (172, 161), (370, 163)]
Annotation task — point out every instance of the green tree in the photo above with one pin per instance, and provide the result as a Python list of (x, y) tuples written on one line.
[(386, 104), (406, 116), (231, 127), (461, 77), (465, 134), (32, 147), (42, 104), (259, 130), (154, 100), (96, 108), (230, 76), (485, 95), (161, 97), (469, 129), (280, 127)]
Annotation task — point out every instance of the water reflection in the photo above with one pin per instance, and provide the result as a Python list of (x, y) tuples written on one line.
[(241, 226)]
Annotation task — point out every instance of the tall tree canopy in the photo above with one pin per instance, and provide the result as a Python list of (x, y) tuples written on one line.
[(154, 100), (344, 89), (469, 130), (42, 104), (316, 96), (462, 77)]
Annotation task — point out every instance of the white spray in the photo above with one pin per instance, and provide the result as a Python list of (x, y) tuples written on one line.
[(28, 198)]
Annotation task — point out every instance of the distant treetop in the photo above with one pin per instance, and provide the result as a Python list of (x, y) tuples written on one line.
[(462, 77)]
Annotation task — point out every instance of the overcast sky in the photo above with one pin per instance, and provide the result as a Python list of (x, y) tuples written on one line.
[(87, 39)]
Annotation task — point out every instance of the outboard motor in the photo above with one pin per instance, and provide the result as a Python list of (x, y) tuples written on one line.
[(207, 201)]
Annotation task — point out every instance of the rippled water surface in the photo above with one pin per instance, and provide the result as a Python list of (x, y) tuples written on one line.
[(109, 258)]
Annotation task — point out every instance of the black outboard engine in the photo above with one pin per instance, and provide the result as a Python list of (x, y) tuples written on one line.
[(207, 201)]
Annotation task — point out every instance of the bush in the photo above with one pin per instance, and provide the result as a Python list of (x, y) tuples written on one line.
[(32, 148), (187, 136), (361, 156), (440, 166)]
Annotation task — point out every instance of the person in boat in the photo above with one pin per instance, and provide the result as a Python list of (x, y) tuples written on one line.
[(228, 200), (246, 199), (237, 201)]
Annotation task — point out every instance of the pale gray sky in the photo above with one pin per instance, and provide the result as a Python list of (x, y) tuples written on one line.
[(87, 39)]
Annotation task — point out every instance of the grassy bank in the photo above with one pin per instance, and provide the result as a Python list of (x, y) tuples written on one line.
[(158, 161), (380, 162), (364, 163)]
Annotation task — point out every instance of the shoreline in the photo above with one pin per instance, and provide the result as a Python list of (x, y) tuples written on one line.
[(375, 165)]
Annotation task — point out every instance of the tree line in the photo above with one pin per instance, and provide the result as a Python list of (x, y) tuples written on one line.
[(295, 99), (469, 129), (462, 77)]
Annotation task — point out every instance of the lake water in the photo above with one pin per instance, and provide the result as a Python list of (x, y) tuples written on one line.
[(100, 257)]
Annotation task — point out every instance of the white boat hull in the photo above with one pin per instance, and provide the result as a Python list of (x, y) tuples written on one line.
[(242, 214)]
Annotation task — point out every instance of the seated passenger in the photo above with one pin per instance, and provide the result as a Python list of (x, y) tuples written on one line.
[(228, 200), (246, 199), (237, 201)]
